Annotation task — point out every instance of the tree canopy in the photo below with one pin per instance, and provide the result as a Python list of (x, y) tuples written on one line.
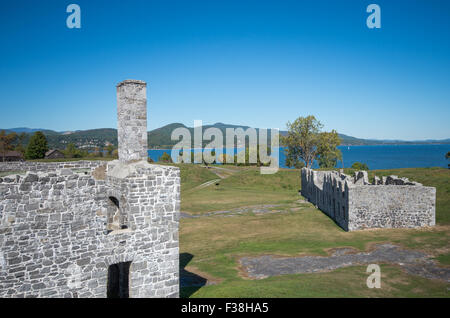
[(37, 147), (360, 166), (305, 142), (72, 151), (328, 153), (6, 143), (165, 157)]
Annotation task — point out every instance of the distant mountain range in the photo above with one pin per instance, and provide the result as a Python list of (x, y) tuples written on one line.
[(160, 137)]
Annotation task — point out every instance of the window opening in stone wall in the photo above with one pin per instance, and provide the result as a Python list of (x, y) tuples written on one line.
[(118, 280), (116, 220)]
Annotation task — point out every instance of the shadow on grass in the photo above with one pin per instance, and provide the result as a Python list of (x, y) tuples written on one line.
[(189, 282)]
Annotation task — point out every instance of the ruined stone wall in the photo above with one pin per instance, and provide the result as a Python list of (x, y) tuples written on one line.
[(329, 192), (49, 166), (391, 206), (54, 240), (354, 204)]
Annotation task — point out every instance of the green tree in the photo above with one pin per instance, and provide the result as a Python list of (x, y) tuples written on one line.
[(70, 150), (302, 141), (292, 162), (73, 152), (6, 142), (447, 155), (327, 151), (37, 147), (360, 166), (96, 153), (20, 144), (109, 149), (165, 157)]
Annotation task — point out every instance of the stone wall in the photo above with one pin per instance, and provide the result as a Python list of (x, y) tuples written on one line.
[(93, 228), (55, 240), (329, 192), (391, 206), (49, 166), (354, 204)]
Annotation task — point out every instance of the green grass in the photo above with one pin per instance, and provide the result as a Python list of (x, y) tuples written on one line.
[(344, 282), (216, 243), (244, 188), (444, 259), (193, 176)]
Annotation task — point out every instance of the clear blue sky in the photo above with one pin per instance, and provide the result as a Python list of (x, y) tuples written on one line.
[(257, 63)]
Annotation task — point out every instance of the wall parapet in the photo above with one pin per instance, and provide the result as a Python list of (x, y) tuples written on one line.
[(49, 166)]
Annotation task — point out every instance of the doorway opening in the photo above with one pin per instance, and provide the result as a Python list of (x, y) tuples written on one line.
[(118, 280)]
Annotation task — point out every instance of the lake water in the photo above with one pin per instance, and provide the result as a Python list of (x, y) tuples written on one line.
[(376, 157)]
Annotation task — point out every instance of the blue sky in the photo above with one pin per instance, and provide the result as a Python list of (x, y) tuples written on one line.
[(257, 63)]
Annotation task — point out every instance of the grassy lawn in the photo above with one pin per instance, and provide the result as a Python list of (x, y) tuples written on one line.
[(344, 282), (214, 244), (193, 176), (245, 187)]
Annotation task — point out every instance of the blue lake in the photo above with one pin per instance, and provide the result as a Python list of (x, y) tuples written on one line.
[(376, 157)]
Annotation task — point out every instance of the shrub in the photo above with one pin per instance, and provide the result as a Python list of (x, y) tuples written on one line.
[(360, 166), (165, 158)]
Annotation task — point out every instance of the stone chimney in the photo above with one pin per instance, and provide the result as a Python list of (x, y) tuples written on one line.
[(132, 120)]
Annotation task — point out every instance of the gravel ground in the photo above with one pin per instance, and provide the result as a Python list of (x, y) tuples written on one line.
[(414, 262)]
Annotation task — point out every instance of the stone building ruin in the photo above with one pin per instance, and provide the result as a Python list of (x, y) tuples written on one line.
[(354, 203), (93, 228)]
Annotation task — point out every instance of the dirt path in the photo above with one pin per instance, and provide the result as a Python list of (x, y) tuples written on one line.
[(414, 262), (222, 173), (207, 184)]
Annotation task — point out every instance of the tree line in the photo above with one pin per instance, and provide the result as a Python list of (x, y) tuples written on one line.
[(38, 145), (305, 142)]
